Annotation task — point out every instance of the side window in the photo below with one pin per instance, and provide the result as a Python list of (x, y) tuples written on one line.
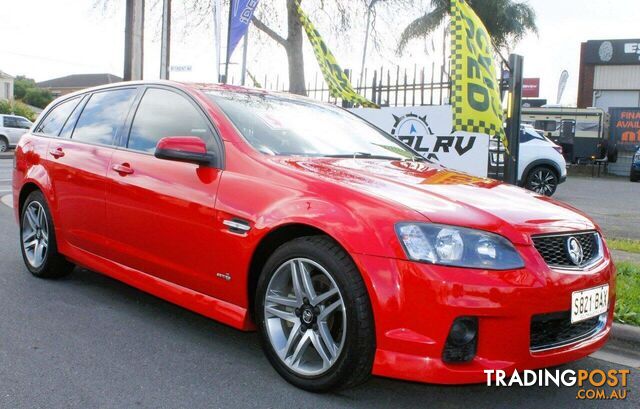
[(23, 123), (10, 122), (103, 115), (163, 113), (52, 123), (71, 121)]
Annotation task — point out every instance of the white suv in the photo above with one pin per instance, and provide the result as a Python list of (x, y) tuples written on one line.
[(12, 127), (541, 166)]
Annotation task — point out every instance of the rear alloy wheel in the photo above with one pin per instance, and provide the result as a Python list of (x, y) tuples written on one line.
[(314, 315), (542, 180), (4, 145), (38, 239)]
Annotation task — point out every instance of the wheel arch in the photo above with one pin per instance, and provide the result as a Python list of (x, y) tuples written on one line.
[(25, 191), (269, 243), (536, 163)]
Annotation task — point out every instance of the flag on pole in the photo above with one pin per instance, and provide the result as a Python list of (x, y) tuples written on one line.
[(240, 14), (475, 91), (217, 35), (339, 84)]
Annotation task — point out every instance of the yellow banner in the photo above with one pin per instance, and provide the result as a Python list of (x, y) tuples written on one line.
[(339, 84), (475, 92)]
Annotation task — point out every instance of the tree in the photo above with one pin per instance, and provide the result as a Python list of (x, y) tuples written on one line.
[(342, 14), (38, 97), (20, 86), (26, 90), (507, 21)]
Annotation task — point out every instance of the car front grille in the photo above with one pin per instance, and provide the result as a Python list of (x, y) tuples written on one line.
[(554, 250), (555, 330)]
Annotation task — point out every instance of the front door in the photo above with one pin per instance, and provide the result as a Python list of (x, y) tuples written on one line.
[(161, 213)]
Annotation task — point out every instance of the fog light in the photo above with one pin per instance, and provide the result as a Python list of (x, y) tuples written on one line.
[(462, 340)]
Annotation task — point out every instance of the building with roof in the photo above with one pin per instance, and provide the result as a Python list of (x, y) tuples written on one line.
[(6, 86), (76, 82)]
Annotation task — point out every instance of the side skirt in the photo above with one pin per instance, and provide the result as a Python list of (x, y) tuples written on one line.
[(206, 305)]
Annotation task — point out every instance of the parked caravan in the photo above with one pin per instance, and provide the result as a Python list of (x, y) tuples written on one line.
[(579, 131)]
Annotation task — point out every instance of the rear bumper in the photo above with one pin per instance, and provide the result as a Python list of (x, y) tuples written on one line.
[(415, 304)]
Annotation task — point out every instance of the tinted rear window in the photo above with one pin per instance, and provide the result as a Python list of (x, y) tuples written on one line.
[(55, 119), (103, 116)]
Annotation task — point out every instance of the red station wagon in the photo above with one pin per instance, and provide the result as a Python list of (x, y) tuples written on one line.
[(347, 251)]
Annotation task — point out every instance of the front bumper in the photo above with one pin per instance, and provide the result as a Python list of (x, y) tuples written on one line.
[(415, 304)]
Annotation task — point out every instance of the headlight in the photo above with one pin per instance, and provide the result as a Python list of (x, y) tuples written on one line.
[(457, 246)]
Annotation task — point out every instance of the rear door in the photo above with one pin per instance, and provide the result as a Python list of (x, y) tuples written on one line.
[(78, 160), (160, 213)]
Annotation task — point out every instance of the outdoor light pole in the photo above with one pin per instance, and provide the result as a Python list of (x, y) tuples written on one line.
[(513, 119), (366, 39), (134, 40), (165, 45)]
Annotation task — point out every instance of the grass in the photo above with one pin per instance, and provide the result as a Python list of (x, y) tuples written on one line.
[(631, 246), (628, 293)]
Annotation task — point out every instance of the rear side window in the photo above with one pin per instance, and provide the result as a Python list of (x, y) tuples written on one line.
[(164, 113), (52, 124), (103, 115)]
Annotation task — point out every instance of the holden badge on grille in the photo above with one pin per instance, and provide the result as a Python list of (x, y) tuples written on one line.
[(574, 249)]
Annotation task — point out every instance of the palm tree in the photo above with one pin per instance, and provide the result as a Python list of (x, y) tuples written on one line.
[(506, 21)]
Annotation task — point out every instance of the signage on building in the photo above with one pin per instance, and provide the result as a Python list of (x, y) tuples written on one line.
[(534, 102), (624, 127), (181, 68), (427, 129), (531, 87), (602, 52)]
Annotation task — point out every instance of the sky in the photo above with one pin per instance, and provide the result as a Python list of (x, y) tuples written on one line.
[(47, 39)]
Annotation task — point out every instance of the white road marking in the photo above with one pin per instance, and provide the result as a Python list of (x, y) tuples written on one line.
[(7, 200)]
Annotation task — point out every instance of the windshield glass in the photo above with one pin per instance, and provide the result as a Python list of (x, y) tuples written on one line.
[(285, 126)]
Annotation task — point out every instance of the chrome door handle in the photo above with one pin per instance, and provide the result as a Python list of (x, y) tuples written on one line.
[(123, 169), (56, 153)]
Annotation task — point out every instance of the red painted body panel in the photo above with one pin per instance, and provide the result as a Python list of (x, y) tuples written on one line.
[(158, 225)]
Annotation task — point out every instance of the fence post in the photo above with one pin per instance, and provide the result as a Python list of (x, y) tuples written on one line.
[(373, 85), (347, 104)]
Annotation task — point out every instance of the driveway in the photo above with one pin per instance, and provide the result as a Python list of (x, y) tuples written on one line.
[(613, 202)]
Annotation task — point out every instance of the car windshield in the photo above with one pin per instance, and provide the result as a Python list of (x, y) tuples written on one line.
[(277, 125)]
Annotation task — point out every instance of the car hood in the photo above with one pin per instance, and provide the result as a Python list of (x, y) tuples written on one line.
[(449, 197)]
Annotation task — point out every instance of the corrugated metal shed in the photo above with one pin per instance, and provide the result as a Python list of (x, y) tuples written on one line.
[(617, 77)]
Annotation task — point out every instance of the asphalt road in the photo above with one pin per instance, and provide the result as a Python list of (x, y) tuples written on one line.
[(87, 341), (612, 202)]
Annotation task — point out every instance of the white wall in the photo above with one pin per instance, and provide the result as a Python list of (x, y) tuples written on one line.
[(6, 88)]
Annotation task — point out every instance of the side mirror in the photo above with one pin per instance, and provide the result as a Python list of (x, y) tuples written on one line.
[(189, 149)]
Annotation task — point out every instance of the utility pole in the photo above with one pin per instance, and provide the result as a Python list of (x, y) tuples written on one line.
[(134, 40), (513, 119), (165, 43), (366, 40), (243, 73)]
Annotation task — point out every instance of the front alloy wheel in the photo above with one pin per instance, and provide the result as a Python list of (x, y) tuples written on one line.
[(314, 316), (305, 316), (542, 180)]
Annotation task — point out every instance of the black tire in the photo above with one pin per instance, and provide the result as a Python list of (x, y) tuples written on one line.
[(542, 180), (4, 144), (54, 264), (634, 177), (354, 363)]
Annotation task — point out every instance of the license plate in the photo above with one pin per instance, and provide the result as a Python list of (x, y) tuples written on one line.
[(589, 303)]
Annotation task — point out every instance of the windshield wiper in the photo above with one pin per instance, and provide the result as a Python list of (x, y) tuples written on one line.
[(367, 155)]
